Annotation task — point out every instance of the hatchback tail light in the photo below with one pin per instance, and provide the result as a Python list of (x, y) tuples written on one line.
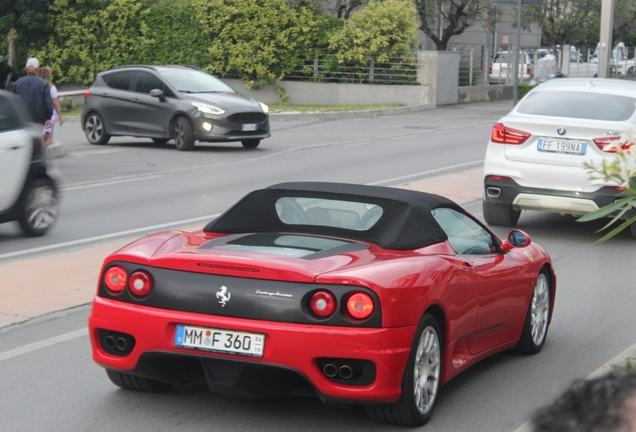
[(504, 135), (529, 70), (87, 93), (490, 70), (140, 284), (360, 305), (610, 144), (323, 304)]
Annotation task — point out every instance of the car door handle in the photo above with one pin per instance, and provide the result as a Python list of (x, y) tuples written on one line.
[(15, 147), (134, 100), (467, 264), (104, 94)]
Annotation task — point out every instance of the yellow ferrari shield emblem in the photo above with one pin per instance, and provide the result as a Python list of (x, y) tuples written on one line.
[(527, 254)]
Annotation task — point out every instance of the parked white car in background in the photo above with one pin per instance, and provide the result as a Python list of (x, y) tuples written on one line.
[(500, 71), (534, 160)]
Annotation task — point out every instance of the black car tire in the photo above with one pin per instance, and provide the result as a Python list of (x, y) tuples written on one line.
[(95, 130), (160, 140), (251, 143), (131, 382), (406, 411), (38, 207), (535, 327), (183, 134), (500, 214)]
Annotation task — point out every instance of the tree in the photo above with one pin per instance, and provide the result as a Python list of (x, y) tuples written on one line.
[(91, 36), (455, 16), (27, 20), (258, 41), (344, 8)]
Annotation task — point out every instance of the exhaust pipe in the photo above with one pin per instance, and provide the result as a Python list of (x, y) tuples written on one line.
[(109, 342), (493, 192), (330, 370), (345, 372), (121, 344)]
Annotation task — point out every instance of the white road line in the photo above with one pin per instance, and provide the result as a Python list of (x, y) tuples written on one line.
[(394, 180), (109, 182), (527, 426), (106, 236), (43, 344)]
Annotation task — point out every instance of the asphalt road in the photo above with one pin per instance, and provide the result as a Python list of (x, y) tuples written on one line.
[(49, 382)]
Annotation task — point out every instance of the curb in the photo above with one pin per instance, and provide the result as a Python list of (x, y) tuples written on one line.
[(328, 115), (54, 150)]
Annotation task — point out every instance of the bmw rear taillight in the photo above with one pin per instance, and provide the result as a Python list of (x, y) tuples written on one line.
[(140, 284), (115, 279), (610, 144), (323, 303), (504, 135), (360, 305), (87, 93)]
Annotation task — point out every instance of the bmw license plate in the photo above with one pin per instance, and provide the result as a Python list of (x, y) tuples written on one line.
[(566, 147), (218, 340), (249, 127)]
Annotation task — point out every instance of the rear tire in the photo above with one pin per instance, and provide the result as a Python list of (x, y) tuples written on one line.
[(131, 382), (500, 214), (632, 228), (38, 207), (420, 383), (251, 143), (183, 134), (95, 130), (535, 327)]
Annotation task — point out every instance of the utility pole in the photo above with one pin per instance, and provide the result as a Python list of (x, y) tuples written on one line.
[(605, 41)]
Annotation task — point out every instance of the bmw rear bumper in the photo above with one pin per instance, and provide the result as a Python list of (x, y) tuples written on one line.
[(289, 348), (550, 200)]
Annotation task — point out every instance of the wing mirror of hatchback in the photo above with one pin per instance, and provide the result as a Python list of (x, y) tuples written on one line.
[(516, 238), (158, 94)]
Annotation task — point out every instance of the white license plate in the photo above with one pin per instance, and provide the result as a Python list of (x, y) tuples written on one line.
[(567, 147), (218, 340), (249, 127)]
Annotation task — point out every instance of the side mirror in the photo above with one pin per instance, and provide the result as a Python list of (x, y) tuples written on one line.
[(158, 94), (516, 238)]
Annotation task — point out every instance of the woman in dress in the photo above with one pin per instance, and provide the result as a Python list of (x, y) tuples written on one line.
[(47, 133)]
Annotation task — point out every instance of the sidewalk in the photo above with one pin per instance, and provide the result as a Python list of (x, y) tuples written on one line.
[(39, 286)]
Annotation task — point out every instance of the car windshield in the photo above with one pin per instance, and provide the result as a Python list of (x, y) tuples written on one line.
[(325, 212), (194, 81), (581, 105), (502, 57)]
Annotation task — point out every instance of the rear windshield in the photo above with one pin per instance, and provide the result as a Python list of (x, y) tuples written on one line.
[(581, 105), (325, 212)]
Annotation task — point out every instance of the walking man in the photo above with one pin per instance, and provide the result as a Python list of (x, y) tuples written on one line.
[(36, 93)]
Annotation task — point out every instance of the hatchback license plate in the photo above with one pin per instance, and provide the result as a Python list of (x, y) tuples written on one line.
[(249, 127), (218, 340), (567, 147)]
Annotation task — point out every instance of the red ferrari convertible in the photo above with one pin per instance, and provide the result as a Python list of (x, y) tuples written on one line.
[(357, 294)]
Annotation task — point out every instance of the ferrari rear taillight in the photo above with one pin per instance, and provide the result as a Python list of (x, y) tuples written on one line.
[(610, 144), (360, 305), (140, 284), (115, 279), (323, 304), (504, 135)]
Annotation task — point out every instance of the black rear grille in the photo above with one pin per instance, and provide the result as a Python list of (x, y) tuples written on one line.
[(248, 117)]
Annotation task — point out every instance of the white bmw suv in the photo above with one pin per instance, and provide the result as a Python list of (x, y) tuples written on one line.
[(536, 152), (28, 193)]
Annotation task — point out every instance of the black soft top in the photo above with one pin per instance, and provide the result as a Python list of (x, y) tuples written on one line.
[(406, 222)]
